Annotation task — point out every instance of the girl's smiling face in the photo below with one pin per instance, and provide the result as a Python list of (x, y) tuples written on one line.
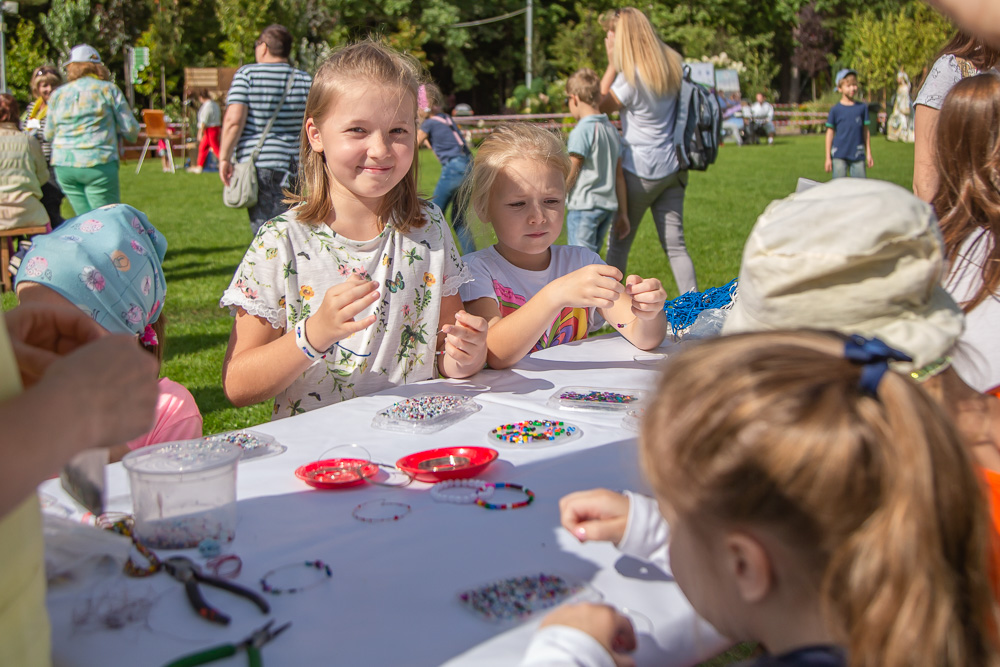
[(367, 139), (526, 208)]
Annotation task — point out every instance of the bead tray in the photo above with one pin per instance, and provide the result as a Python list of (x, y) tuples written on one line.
[(595, 399), (425, 413), (534, 434)]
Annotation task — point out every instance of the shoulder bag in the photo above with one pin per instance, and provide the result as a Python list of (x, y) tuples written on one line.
[(242, 189)]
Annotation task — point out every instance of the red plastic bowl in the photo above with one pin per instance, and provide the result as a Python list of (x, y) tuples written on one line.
[(437, 465), (336, 473)]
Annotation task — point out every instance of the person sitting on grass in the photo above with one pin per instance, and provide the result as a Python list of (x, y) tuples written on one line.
[(109, 263)]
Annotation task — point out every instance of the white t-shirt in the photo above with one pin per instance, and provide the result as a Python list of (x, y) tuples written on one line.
[(976, 357), (762, 111), (289, 267), (512, 287), (647, 130), (946, 72)]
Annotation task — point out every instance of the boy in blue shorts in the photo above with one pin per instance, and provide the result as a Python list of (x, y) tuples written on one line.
[(596, 182), (848, 142)]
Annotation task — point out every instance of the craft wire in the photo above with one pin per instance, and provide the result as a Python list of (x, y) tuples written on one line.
[(316, 564), (358, 511), (684, 310), (216, 566)]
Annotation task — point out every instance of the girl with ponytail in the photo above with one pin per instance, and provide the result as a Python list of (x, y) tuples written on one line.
[(818, 503)]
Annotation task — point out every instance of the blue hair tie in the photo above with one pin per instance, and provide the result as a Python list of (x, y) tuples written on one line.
[(873, 355)]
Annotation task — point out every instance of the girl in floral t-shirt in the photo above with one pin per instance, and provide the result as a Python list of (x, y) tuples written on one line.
[(356, 288)]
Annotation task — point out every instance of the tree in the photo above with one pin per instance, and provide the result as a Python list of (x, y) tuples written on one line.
[(240, 23), (25, 53), (812, 43), (68, 23)]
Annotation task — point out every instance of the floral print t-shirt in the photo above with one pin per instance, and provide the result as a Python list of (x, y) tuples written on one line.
[(288, 269), (85, 119)]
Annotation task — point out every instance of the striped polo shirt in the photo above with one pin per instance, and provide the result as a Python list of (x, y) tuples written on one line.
[(259, 87)]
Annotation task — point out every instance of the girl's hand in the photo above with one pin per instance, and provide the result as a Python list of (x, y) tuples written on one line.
[(334, 320), (465, 341), (597, 515), (648, 297), (594, 286), (614, 631)]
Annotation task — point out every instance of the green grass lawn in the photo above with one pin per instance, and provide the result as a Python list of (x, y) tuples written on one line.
[(207, 241)]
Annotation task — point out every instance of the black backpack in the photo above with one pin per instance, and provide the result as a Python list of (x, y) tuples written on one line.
[(698, 128)]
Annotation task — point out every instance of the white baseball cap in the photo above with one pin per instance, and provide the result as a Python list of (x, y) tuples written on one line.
[(83, 53)]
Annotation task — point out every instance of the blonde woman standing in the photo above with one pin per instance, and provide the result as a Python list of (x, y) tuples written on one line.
[(642, 82)]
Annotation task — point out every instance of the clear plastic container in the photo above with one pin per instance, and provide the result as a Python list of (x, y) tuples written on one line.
[(425, 413), (595, 399), (183, 492)]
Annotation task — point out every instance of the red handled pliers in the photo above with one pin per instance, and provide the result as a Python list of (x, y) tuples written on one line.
[(185, 570)]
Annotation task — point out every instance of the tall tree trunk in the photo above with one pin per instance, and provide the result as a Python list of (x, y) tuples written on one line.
[(795, 87)]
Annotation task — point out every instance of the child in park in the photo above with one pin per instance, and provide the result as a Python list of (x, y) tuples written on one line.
[(596, 182), (848, 141), (533, 293), (108, 263), (818, 503), (355, 289), (209, 129), (439, 133)]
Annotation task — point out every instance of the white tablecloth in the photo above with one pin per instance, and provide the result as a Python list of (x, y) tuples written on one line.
[(392, 599)]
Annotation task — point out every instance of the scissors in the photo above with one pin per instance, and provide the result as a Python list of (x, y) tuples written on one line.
[(252, 644), (185, 570)]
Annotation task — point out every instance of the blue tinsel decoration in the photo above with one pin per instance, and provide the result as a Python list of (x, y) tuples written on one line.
[(683, 311)]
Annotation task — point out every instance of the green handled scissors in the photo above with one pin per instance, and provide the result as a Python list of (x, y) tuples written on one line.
[(252, 644)]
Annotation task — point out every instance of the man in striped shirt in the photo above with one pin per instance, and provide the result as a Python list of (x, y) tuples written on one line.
[(253, 97)]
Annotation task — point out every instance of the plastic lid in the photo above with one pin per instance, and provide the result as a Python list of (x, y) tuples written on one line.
[(181, 456)]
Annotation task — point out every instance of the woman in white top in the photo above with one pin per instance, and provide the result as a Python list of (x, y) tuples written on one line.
[(963, 56), (642, 81)]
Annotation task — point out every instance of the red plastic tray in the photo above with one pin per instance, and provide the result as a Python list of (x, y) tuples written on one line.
[(336, 473), (436, 465)]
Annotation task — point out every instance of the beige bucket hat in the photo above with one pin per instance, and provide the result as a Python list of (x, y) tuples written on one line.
[(852, 255)]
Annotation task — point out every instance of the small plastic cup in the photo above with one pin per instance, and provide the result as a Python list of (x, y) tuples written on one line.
[(183, 492)]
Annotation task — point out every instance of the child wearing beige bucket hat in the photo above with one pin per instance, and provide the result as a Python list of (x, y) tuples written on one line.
[(866, 257)]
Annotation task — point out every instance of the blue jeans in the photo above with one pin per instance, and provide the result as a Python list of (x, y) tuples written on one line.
[(588, 228), (843, 168), (271, 184), (447, 192)]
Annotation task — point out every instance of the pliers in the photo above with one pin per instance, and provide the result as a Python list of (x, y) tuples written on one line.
[(185, 570), (252, 644)]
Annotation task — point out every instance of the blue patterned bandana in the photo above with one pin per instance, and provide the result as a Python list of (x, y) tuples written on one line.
[(107, 262)]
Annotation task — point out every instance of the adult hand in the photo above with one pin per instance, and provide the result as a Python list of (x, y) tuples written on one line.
[(596, 515), (828, 165), (40, 334), (622, 226), (648, 297), (225, 171), (465, 341), (609, 47), (108, 389), (594, 286), (334, 320), (614, 631)]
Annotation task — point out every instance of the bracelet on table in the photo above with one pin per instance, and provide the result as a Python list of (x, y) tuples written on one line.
[(359, 511), (219, 566), (471, 490), (509, 506), (319, 565), (303, 343)]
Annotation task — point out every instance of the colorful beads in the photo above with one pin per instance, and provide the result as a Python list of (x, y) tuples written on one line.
[(518, 597), (380, 511), (318, 565), (209, 548), (508, 506), (529, 431), (422, 408), (598, 397)]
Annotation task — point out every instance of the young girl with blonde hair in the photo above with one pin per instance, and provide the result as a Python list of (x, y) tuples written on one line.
[(533, 293), (642, 81), (818, 503), (355, 289)]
